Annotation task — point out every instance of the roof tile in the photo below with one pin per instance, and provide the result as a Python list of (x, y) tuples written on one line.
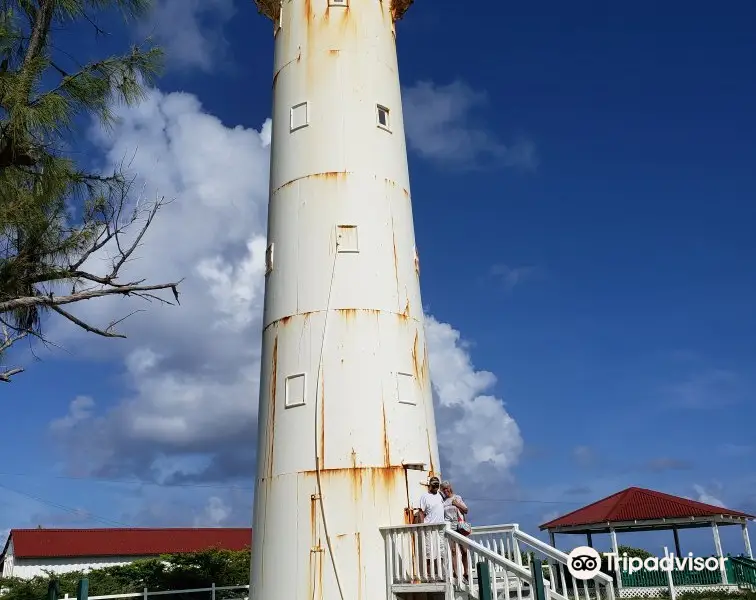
[(38, 543), (639, 504)]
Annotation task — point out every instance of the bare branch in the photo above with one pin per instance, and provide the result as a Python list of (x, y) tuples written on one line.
[(102, 239), (103, 332), (140, 235), (6, 375), (51, 301), (122, 319), (112, 231), (10, 339)]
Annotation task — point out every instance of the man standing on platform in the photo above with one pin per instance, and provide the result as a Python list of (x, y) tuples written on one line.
[(432, 511)]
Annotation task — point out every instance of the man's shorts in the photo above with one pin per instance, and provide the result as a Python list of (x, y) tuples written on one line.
[(435, 545)]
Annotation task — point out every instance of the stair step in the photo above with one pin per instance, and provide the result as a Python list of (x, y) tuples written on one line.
[(512, 586), (500, 578)]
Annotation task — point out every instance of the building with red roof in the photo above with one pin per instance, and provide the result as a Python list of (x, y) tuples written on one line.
[(638, 509), (29, 552)]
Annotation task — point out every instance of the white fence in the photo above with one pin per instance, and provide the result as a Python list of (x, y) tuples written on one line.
[(243, 595)]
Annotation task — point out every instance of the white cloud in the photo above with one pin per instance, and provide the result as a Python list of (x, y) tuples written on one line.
[(214, 514), (706, 496), (153, 506), (440, 126), (191, 373), (475, 429), (79, 410), (191, 31)]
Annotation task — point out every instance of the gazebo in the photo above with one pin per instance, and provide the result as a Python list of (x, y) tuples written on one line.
[(638, 509)]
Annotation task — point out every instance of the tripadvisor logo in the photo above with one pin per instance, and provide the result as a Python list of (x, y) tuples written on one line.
[(633, 564), (585, 563)]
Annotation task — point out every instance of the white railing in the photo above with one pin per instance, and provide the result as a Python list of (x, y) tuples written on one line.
[(507, 577), (412, 559), (414, 554), (509, 541), (146, 593)]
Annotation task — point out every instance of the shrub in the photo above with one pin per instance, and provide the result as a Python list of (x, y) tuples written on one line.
[(170, 572)]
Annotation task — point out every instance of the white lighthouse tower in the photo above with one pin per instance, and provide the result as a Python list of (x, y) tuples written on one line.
[(346, 427)]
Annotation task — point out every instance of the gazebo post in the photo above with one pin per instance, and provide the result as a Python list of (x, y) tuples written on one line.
[(615, 549), (590, 539), (553, 542), (718, 546), (747, 540), (678, 552)]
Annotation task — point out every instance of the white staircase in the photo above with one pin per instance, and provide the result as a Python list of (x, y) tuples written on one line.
[(506, 550)]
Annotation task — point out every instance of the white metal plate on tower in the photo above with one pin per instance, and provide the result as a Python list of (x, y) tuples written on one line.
[(405, 384), (300, 116), (346, 238), (269, 258), (295, 390)]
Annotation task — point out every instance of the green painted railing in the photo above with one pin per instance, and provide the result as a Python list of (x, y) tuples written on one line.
[(644, 578), (739, 570), (743, 570)]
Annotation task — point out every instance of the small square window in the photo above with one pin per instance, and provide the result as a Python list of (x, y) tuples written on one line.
[(295, 390), (269, 259), (346, 238), (300, 116), (405, 384), (383, 118)]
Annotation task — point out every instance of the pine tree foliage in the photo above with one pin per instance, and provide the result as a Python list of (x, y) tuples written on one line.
[(55, 217)]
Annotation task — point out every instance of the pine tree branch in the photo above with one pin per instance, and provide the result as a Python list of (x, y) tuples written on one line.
[(58, 222), (40, 30), (97, 28), (10, 155), (69, 79)]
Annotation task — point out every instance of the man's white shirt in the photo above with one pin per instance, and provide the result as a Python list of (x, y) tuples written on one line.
[(432, 506)]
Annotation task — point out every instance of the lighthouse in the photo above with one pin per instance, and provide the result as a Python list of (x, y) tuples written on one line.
[(346, 429)]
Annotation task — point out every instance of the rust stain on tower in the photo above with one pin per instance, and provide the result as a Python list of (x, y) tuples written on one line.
[(272, 408), (386, 444)]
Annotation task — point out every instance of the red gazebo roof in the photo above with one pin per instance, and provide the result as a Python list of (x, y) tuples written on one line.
[(639, 504)]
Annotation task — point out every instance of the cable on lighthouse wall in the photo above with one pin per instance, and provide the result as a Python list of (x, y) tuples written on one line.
[(317, 457)]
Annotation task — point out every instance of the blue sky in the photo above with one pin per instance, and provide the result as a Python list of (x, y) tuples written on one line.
[(585, 198)]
